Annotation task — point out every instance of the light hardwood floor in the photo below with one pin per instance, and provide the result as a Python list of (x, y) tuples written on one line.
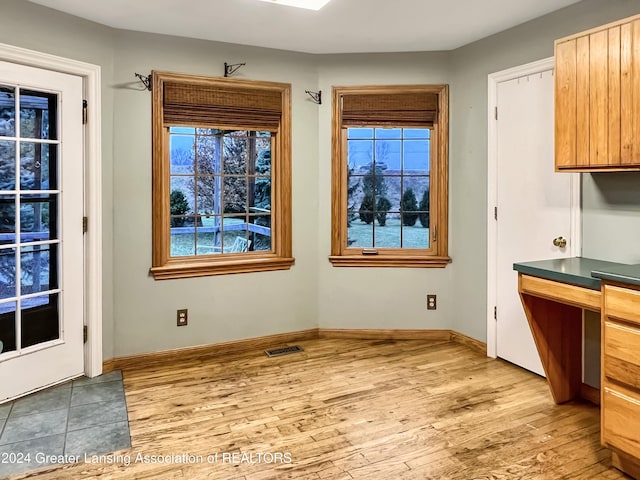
[(353, 409)]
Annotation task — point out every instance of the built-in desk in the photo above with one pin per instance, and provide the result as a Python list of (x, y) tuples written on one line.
[(554, 294)]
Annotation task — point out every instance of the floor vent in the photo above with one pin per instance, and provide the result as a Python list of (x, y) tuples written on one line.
[(276, 352)]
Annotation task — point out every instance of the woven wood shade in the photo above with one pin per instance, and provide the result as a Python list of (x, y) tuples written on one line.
[(197, 104), (419, 109)]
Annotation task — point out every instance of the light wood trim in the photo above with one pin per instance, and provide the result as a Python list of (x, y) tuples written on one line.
[(437, 254), (622, 303), (565, 105), (108, 366), (560, 292), (599, 98), (590, 394), (389, 261), (191, 353), (470, 342), (385, 334), (281, 257)]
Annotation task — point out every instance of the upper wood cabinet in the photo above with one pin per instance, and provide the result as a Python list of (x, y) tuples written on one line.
[(597, 103)]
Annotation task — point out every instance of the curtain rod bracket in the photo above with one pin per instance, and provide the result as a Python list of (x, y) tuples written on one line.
[(230, 69), (146, 80), (315, 96)]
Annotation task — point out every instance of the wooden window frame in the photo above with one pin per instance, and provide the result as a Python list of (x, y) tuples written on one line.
[(436, 256), (280, 256)]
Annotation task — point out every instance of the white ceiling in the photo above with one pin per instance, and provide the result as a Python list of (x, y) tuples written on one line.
[(342, 26)]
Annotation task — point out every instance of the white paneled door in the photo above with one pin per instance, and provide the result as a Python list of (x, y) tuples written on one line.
[(535, 205), (41, 234)]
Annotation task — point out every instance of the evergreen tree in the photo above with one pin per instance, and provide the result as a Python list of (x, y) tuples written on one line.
[(408, 208), (373, 182), (423, 216), (352, 188), (366, 209), (263, 184), (382, 207), (179, 206)]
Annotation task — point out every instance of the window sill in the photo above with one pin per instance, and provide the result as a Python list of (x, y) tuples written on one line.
[(198, 268), (404, 261)]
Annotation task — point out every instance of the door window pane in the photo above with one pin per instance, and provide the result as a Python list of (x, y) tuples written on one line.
[(7, 273), (7, 165), (7, 327), (38, 268), (38, 217), (7, 111), (38, 166), (38, 115), (7, 219), (39, 319)]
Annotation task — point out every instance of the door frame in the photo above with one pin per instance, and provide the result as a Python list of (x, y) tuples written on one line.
[(575, 246), (91, 75)]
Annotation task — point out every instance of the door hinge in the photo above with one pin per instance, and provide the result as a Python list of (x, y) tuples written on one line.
[(495, 313), (495, 213), (85, 224), (84, 112), (85, 333), (495, 112)]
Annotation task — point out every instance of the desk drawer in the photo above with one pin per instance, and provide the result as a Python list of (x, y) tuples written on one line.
[(621, 349), (622, 303), (621, 420)]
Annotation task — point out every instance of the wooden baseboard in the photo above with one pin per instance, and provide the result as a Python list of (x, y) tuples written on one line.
[(371, 334), (590, 394), (472, 343), (109, 366), (281, 339), (233, 346)]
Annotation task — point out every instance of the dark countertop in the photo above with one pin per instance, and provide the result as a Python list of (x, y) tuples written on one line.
[(583, 272), (620, 273)]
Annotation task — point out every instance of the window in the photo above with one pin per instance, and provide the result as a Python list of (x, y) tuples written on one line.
[(221, 176), (390, 176)]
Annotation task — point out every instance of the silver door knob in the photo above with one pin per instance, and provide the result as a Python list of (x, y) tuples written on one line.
[(560, 242)]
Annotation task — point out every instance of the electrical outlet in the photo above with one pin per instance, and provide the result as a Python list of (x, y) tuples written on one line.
[(183, 317), (431, 302)]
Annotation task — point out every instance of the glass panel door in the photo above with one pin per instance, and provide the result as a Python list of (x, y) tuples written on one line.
[(29, 213)]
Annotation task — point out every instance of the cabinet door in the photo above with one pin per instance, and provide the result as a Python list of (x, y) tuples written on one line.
[(565, 103), (598, 99)]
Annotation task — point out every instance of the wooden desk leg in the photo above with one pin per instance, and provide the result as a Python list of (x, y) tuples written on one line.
[(557, 331)]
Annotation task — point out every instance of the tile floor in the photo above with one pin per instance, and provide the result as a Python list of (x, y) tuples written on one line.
[(85, 416)]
